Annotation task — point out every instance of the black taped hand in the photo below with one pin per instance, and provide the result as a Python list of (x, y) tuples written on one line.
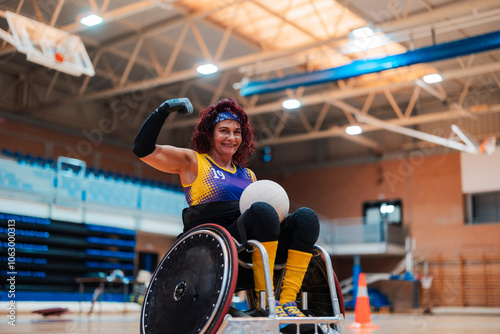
[(182, 106), (145, 141)]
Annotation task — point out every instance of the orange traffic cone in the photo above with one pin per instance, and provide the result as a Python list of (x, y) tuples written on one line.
[(362, 317)]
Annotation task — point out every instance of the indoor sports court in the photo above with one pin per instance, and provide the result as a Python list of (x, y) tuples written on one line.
[(249, 166)]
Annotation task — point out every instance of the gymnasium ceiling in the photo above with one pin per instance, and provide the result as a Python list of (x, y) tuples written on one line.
[(147, 51)]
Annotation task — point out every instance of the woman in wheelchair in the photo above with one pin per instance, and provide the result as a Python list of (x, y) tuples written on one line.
[(213, 175)]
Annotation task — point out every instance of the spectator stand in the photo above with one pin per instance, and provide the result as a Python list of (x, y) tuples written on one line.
[(67, 190)]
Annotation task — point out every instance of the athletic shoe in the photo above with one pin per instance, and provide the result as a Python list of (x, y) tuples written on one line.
[(279, 310), (292, 311), (259, 312), (280, 313)]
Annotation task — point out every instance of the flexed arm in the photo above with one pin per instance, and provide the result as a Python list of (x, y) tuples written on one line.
[(166, 158), (145, 142)]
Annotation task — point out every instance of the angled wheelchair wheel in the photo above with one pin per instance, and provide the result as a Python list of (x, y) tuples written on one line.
[(192, 288), (316, 285)]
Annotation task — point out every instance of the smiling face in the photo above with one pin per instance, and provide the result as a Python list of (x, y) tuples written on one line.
[(227, 139)]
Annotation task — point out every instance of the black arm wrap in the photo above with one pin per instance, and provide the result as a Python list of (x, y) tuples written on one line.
[(145, 141)]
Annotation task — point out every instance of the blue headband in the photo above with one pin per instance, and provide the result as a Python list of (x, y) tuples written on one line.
[(225, 115)]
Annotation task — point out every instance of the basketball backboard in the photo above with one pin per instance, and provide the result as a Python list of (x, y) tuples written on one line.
[(48, 46), (487, 146), (466, 138)]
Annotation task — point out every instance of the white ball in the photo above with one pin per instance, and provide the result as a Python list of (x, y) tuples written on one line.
[(266, 191)]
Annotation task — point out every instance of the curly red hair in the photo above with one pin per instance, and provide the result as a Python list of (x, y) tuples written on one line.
[(203, 135)]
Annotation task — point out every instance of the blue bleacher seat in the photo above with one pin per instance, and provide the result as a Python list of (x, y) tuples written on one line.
[(128, 178), (51, 163), (8, 153), (95, 172), (20, 158), (90, 171), (108, 175), (44, 163), (31, 160)]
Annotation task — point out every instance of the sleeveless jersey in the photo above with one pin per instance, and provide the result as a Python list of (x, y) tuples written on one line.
[(215, 184)]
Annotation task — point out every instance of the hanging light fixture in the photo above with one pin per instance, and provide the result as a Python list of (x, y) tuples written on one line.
[(91, 20), (207, 69), (291, 104), (432, 78), (353, 130), (362, 32)]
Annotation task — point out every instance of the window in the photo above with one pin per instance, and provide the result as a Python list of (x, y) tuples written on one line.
[(389, 211), (482, 208)]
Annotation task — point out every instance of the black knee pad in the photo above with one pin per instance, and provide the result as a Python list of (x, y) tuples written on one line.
[(262, 222), (305, 225)]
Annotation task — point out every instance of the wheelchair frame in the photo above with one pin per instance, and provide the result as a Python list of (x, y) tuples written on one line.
[(227, 324)]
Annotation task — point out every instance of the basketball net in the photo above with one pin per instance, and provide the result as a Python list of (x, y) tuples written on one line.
[(426, 282), (61, 52), (488, 145)]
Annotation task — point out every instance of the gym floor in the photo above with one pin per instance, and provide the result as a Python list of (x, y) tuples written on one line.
[(128, 323)]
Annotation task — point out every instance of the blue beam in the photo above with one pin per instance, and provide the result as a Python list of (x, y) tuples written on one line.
[(359, 67)]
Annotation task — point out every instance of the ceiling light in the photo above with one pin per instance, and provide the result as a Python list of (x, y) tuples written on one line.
[(291, 104), (207, 69), (432, 78), (353, 130), (362, 32), (91, 20), (364, 39)]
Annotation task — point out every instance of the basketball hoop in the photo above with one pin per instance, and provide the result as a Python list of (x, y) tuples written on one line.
[(48, 46), (59, 50), (488, 145), (58, 57)]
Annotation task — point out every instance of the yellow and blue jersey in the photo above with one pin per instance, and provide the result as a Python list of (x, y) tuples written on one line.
[(215, 184)]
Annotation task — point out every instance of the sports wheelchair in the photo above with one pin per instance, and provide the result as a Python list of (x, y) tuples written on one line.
[(192, 289)]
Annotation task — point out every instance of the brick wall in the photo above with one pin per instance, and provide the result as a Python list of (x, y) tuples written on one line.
[(429, 187)]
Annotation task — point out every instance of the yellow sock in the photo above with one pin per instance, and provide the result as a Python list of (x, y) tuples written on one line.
[(296, 267), (258, 266)]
